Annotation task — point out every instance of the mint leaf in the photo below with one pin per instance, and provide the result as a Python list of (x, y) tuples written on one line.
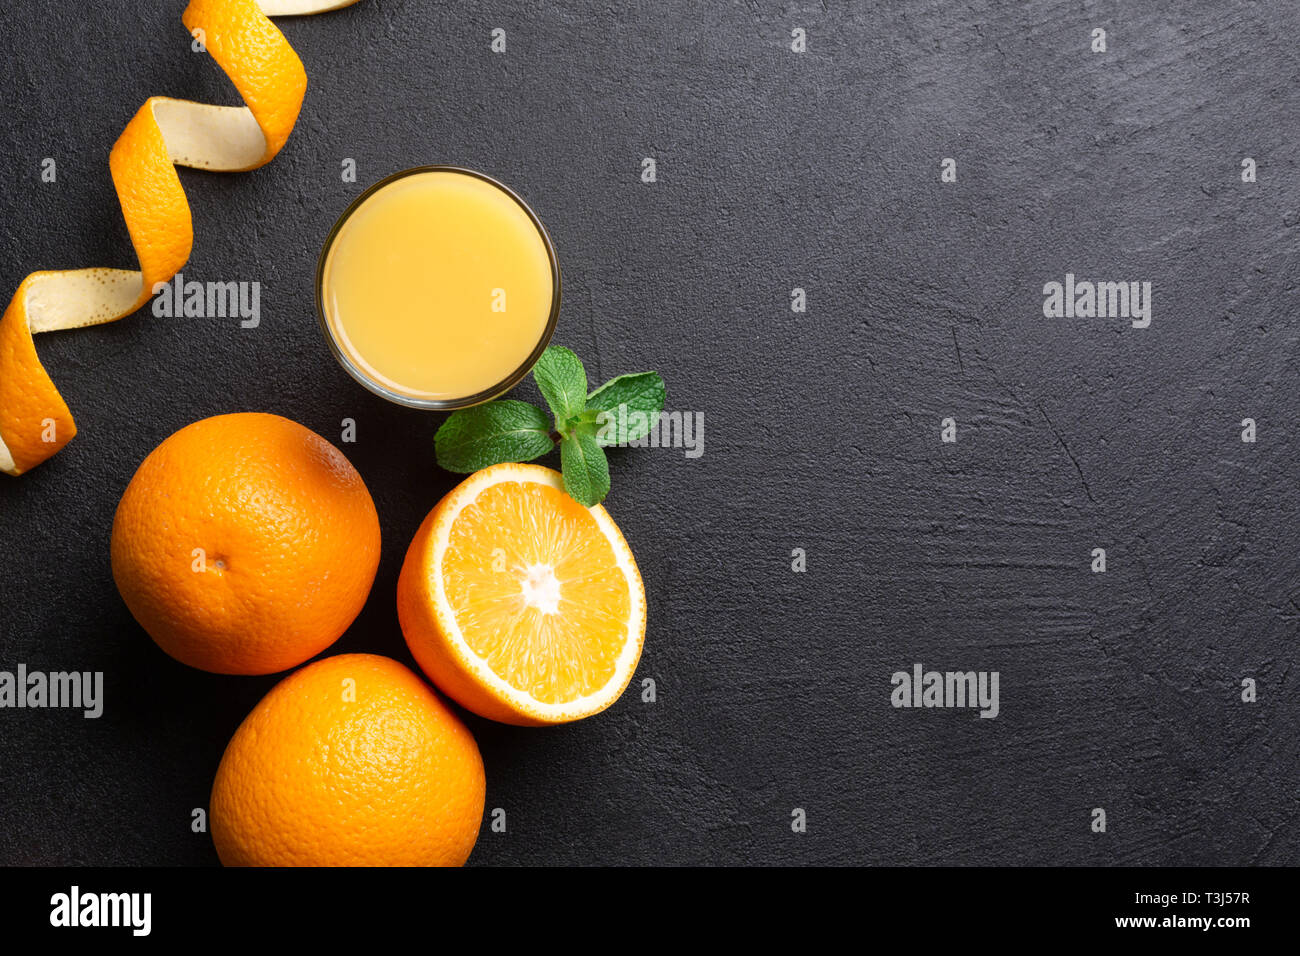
[(563, 381), (627, 407), (508, 430), (586, 472), (641, 390), (623, 410)]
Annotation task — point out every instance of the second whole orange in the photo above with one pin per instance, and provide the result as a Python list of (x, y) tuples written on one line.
[(245, 544), (351, 761)]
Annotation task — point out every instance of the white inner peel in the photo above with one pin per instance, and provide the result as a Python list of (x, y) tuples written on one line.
[(295, 8), (226, 139)]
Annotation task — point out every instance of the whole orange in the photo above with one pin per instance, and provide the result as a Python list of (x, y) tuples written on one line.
[(245, 544), (351, 761)]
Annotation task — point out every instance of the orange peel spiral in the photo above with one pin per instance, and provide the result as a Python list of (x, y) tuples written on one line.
[(34, 419)]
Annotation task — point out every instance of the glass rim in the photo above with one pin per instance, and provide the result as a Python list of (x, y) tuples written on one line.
[(437, 404)]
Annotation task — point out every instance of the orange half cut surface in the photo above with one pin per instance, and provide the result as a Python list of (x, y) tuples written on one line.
[(520, 603)]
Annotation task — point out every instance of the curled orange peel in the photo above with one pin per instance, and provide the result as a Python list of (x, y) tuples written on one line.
[(34, 420)]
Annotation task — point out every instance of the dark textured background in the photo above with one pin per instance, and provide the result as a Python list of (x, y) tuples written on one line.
[(776, 170)]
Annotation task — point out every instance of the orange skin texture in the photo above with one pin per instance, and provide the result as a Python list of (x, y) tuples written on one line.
[(27, 396), (152, 200), (259, 61), (290, 541), (311, 778)]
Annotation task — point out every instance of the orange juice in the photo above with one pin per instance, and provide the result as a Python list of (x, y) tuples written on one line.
[(438, 288)]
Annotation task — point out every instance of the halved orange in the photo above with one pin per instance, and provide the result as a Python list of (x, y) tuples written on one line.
[(521, 604)]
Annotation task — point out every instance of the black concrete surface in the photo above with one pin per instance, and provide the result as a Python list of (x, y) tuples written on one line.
[(776, 170)]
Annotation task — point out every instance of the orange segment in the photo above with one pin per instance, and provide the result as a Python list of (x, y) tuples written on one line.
[(34, 420), (519, 602)]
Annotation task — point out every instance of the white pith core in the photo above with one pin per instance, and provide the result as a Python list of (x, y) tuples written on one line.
[(541, 588)]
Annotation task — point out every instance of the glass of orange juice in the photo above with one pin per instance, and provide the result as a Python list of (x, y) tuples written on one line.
[(438, 288)]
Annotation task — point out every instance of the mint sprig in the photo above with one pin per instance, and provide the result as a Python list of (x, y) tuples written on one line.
[(508, 430), (622, 410)]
